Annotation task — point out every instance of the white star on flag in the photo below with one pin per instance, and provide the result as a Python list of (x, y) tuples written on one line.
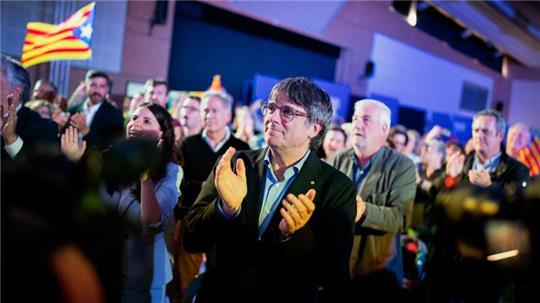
[(86, 31)]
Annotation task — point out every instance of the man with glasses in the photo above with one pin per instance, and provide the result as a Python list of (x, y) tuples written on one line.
[(278, 221), (190, 116)]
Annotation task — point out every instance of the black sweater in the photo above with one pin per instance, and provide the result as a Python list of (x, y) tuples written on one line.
[(199, 159)]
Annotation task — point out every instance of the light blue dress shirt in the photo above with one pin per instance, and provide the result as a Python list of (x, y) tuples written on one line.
[(274, 190), (490, 165)]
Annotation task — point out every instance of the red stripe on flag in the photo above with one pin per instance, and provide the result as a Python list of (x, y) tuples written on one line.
[(534, 157), (67, 50), (44, 45), (48, 35)]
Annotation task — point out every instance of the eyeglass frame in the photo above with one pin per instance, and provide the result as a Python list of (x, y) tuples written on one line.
[(266, 110)]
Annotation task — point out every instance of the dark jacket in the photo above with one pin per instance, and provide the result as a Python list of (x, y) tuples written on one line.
[(510, 176), (36, 133), (388, 190), (107, 125), (312, 266)]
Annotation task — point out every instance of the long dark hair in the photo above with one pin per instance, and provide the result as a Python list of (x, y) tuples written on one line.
[(169, 151)]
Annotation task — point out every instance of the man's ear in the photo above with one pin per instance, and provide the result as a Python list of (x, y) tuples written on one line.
[(501, 135), (314, 130), (16, 95), (385, 128)]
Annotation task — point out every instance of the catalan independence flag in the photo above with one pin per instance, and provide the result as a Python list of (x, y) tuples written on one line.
[(69, 40), (530, 156)]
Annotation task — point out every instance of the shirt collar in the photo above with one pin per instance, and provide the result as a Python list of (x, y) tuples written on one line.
[(490, 165), (295, 169), (87, 108), (219, 144)]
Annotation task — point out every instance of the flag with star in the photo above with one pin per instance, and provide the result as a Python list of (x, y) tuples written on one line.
[(69, 40)]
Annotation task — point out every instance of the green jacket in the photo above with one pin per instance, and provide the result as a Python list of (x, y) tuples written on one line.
[(389, 190)]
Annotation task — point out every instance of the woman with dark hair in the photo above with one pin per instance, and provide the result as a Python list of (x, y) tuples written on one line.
[(148, 204)]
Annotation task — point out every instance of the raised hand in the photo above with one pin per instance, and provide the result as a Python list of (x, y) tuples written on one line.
[(60, 118), (454, 166), (79, 121), (9, 124), (296, 212), (69, 143), (232, 188)]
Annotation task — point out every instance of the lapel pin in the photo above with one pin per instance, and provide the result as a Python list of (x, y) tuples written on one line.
[(312, 182)]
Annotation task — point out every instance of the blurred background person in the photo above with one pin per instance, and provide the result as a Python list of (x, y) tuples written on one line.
[(190, 117), (156, 91), (244, 124), (43, 107), (397, 138), (334, 142), (413, 147), (519, 137), (44, 90), (488, 165), (453, 148)]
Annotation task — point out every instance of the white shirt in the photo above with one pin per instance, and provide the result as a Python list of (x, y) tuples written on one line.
[(90, 111), (14, 148), (221, 143)]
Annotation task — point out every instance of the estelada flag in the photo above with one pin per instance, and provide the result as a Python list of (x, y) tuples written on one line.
[(69, 40), (530, 156)]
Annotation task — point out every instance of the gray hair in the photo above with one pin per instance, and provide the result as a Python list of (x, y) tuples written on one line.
[(16, 76), (500, 125), (384, 110), (316, 102), (225, 98)]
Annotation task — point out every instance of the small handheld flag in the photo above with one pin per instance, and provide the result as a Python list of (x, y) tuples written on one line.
[(69, 40)]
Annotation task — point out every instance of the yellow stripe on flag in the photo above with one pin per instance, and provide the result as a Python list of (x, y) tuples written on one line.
[(53, 46), (62, 55), (40, 43)]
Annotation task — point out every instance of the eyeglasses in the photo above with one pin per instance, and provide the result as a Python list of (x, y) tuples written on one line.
[(191, 108), (286, 113)]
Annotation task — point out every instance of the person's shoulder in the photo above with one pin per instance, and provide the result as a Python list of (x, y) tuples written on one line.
[(107, 106), (391, 156), (514, 163), (192, 139), (238, 144), (343, 154)]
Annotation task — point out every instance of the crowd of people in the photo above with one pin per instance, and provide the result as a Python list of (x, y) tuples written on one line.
[(283, 207)]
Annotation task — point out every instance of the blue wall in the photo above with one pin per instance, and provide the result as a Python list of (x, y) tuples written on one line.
[(202, 48)]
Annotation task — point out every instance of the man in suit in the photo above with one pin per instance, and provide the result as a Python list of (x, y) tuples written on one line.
[(386, 184), (97, 120), (278, 221), (488, 171), (488, 165), (23, 129)]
